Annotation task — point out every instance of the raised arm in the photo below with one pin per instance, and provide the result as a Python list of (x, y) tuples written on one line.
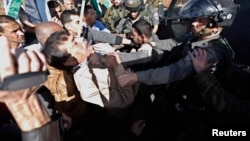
[(27, 110)]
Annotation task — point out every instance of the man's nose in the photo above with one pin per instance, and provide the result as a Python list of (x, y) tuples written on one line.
[(194, 23), (19, 32)]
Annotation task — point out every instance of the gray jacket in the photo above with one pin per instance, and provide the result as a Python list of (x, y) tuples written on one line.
[(219, 54), (99, 36), (141, 57)]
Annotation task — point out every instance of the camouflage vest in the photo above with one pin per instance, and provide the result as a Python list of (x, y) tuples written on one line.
[(146, 14), (126, 26), (114, 16)]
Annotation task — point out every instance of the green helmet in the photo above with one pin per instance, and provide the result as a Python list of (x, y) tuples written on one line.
[(134, 5)]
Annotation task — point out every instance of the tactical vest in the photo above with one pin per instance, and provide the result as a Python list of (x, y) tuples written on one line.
[(146, 14), (126, 26), (114, 16)]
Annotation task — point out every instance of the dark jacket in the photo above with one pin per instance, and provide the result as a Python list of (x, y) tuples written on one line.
[(228, 98)]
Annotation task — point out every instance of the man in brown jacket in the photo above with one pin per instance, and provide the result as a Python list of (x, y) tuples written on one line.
[(60, 83), (97, 85)]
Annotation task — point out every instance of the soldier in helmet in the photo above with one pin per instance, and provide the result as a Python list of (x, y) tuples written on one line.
[(125, 25), (134, 7), (114, 14), (210, 16), (190, 112)]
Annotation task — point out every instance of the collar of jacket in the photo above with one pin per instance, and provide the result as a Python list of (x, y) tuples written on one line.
[(203, 43), (56, 83), (54, 70), (74, 69)]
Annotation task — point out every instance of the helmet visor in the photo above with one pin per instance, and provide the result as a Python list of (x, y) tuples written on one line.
[(198, 8)]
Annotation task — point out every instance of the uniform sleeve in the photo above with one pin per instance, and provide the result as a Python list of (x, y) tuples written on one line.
[(167, 44), (177, 71), (167, 74), (143, 55), (132, 58), (154, 16), (99, 36), (119, 27)]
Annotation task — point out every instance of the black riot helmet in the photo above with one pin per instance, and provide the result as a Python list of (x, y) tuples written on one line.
[(134, 5), (222, 12)]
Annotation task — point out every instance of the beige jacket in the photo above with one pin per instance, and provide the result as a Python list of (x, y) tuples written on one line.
[(99, 86), (67, 97)]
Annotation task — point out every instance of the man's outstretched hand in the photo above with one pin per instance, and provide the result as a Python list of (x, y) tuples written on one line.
[(24, 105)]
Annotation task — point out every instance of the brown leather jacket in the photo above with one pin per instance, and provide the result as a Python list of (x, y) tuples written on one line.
[(62, 87)]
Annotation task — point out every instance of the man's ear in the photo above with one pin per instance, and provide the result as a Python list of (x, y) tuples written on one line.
[(143, 37), (84, 18), (66, 26)]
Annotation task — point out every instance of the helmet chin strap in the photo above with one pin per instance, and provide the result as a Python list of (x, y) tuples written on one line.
[(202, 33)]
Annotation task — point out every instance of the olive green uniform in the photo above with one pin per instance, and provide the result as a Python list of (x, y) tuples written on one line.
[(112, 17), (150, 14)]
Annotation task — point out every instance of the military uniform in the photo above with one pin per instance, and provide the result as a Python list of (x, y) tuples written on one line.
[(97, 36), (125, 25), (150, 14), (155, 3), (112, 17)]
